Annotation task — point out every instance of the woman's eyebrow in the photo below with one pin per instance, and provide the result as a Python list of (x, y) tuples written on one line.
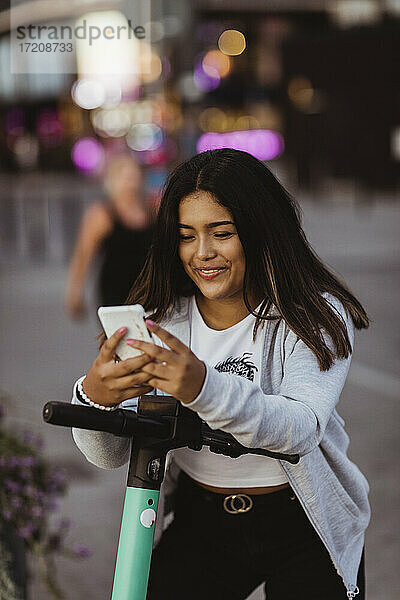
[(209, 225)]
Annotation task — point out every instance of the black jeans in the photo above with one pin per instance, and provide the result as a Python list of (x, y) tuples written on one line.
[(208, 554)]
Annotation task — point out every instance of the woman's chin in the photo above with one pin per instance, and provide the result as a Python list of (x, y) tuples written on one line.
[(216, 294)]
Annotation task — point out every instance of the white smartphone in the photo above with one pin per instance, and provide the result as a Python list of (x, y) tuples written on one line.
[(130, 316)]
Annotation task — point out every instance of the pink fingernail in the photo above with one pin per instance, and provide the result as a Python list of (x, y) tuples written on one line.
[(122, 330), (150, 322), (131, 342)]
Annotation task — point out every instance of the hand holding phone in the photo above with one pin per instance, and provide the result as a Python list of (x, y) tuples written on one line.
[(110, 383), (132, 316)]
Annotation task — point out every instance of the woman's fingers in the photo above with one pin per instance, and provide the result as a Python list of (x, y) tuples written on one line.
[(108, 349), (129, 381), (127, 366), (177, 348), (158, 353)]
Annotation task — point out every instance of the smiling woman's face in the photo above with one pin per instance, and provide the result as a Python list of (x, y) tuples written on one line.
[(206, 245)]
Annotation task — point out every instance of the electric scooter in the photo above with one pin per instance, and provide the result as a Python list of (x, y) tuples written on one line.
[(160, 424)]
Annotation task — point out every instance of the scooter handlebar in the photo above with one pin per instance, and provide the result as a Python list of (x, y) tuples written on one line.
[(128, 423)]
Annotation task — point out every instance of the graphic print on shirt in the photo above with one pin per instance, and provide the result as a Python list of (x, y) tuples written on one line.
[(239, 366)]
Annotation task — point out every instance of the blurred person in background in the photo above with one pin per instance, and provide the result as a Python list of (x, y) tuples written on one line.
[(118, 230)]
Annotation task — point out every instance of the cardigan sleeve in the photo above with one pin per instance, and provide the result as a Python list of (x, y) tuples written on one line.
[(102, 449), (292, 421)]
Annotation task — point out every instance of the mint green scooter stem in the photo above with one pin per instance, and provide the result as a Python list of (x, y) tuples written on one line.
[(135, 544), (135, 547)]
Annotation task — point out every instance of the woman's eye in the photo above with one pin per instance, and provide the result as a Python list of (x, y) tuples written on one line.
[(217, 235)]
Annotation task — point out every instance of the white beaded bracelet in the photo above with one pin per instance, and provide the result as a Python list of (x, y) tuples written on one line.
[(88, 401)]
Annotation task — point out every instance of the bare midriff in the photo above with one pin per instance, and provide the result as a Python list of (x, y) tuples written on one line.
[(254, 490)]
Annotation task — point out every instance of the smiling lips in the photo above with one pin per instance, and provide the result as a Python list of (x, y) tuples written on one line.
[(210, 273)]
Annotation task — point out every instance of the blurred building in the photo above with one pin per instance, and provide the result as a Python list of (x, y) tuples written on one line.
[(309, 83)]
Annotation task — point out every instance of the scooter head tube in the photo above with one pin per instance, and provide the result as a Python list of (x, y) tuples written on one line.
[(185, 423), (147, 464)]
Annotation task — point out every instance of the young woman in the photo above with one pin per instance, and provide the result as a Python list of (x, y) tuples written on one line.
[(255, 335)]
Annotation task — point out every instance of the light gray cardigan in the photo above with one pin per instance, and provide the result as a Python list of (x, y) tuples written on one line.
[(292, 411)]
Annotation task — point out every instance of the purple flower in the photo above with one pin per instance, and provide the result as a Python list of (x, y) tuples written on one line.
[(14, 461), (25, 531), (82, 551)]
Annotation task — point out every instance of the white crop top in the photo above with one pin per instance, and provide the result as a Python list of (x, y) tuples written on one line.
[(233, 351)]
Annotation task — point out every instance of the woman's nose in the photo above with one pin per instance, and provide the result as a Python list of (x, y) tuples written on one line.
[(205, 249)]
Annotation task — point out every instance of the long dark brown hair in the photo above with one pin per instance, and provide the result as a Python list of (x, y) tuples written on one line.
[(281, 267)]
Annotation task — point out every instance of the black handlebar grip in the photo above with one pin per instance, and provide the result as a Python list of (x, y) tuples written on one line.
[(119, 422), (83, 417), (216, 437)]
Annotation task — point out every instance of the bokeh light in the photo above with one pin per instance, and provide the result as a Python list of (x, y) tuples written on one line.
[(147, 111), (232, 42), (114, 87), (49, 128), (150, 63), (144, 136), (214, 60), (88, 93), (300, 92), (205, 81), (14, 122), (213, 119), (113, 122), (247, 122), (188, 87), (118, 55), (350, 13), (88, 155), (26, 150), (263, 144)]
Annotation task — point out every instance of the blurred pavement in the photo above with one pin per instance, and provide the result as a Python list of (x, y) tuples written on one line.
[(43, 353)]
